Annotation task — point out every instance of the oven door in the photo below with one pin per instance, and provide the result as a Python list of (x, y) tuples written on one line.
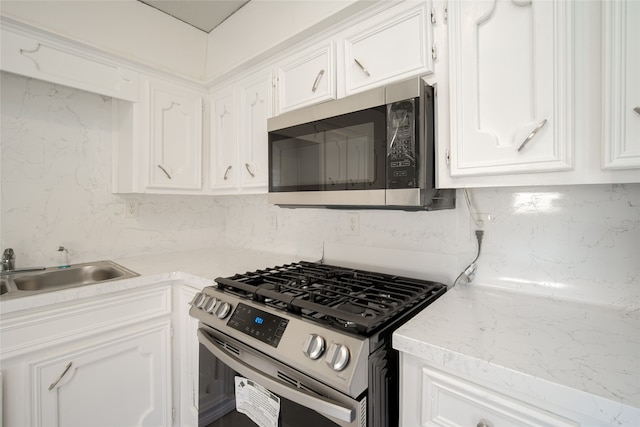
[(227, 364)]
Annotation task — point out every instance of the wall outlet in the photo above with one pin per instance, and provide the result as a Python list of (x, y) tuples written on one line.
[(353, 224), (131, 207), (480, 221)]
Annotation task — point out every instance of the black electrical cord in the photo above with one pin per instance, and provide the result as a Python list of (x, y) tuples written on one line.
[(479, 235)]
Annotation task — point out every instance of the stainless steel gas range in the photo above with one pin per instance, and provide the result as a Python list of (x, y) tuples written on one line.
[(304, 344)]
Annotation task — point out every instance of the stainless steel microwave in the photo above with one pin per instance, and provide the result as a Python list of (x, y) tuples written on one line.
[(370, 150)]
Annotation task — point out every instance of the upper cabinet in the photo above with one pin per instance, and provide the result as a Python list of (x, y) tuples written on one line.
[(390, 46), (621, 85), (307, 77), (157, 146), (256, 102), (530, 99), (511, 87), (224, 139), (174, 126), (239, 135), (43, 56)]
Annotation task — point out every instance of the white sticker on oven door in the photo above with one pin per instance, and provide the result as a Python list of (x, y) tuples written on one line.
[(256, 402)]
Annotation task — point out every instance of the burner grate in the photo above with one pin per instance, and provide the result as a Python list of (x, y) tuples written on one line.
[(347, 298)]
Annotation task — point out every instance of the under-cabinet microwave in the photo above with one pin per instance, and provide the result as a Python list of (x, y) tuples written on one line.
[(374, 149)]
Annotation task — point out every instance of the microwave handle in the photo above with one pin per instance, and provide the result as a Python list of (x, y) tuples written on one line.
[(321, 405)]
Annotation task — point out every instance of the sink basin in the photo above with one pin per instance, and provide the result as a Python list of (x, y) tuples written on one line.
[(55, 278)]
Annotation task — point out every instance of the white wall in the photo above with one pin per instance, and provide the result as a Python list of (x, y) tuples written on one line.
[(577, 242), (261, 25)]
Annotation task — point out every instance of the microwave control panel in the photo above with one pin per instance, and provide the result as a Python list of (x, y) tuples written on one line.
[(401, 144)]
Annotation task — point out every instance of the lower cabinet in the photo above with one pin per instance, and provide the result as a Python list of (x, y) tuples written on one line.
[(121, 381), (430, 396), (100, 361)]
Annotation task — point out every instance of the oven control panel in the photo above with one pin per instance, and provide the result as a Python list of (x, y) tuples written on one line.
[(327, 355), (264, 326)]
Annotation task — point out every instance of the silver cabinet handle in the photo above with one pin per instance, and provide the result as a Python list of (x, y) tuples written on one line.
[(484, 423), (226, 173), (165, 171), (246, 165), (317, 81), (55, 383), (637, 109), (362, 67), (532, 134), (320, 404)]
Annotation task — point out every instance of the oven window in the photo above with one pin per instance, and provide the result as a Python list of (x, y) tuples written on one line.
[(217, 405), (341, 153)]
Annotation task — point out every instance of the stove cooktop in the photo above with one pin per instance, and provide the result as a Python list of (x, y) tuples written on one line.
[(343, 298)]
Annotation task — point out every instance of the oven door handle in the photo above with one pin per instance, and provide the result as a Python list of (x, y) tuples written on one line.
[(321, 405)]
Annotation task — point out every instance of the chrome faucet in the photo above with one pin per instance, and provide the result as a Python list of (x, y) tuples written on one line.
[(8, 260), (9, 264)]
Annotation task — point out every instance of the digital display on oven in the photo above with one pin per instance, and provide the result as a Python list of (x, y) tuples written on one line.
[(264, 326)]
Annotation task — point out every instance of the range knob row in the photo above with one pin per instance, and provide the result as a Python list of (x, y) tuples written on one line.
[(337, 357), (220, 309)]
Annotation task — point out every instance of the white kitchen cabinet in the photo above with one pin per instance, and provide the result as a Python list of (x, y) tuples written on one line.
[(239, 113), (307, 77), (185, 357), (64, 361), (392, 45), (256, 102), (621, 85), (123, 381), (511, 87), (157, 142), (33, 53), (224, 139), (174, 119), (432, 397)]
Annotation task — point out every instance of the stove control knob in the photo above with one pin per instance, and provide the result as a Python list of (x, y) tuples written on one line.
[(210, 304), (313, 346), (337, 357), (223, 310), (199, 300)]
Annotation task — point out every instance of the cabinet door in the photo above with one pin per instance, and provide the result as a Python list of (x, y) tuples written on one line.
[(255, 107), (224, 140), (124, 381), (511, 87), (621, 85), (175, 135), (389, 47), (307, 78)]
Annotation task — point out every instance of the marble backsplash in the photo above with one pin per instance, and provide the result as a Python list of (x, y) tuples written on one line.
[(577, 242)]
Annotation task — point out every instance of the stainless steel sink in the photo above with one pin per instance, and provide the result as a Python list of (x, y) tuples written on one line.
[(55, 278)]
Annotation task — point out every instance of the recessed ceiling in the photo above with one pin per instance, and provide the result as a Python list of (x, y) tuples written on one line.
[(202, 14)]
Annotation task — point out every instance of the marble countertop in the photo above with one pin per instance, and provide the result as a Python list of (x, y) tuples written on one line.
[(534, 346)]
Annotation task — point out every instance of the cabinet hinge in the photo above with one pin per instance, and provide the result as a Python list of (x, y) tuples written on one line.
[(171, 331), (445, 15), (434, 52), (433, 16), (173, 414), (447, 157)]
